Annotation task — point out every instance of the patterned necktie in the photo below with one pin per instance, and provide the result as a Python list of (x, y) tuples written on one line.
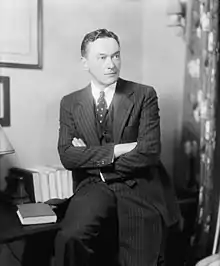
[(101, 107)]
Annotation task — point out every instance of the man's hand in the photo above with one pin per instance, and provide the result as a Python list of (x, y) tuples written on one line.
[(78, 142), (121, 149)]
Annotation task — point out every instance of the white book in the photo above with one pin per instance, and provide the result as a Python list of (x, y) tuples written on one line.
[(65, 185), (44, 182), (47, 188), (37, 184), (37, 187), (52, 185), (70, 183), (59, 184), (43, 172), (62, 184)]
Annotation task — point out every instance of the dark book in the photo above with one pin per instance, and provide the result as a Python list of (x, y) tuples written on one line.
[(36, 213)]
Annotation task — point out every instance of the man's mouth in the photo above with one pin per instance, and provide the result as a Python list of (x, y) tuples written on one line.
[(110, 74)]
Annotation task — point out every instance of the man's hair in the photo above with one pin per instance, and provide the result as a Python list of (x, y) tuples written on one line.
[(93, 36)]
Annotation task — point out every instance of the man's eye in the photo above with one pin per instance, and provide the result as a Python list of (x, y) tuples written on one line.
[(102, 57), (116, 56)]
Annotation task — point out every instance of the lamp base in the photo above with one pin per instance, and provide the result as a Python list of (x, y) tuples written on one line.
[(16, 191)]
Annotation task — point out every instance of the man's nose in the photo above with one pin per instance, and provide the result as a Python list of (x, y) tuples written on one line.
[(110, 63)]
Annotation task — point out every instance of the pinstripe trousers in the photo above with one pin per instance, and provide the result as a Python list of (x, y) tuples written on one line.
[(141, 228), (138, 238), (89, 229)]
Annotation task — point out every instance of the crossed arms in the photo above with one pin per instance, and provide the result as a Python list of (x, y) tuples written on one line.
[(75, 153), (119, 149)]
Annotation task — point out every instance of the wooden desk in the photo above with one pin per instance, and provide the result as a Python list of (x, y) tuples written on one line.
[(12, 229), (31, 244)]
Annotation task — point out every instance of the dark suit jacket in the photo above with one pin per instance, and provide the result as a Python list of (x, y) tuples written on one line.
[(136, 118)]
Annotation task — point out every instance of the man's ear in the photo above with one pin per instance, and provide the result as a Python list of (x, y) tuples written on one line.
[(85, 63)]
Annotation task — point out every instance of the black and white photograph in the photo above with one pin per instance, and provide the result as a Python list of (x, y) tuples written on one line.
[(109, 133)]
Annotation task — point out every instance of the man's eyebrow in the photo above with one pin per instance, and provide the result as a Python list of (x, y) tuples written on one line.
[(118, 52)]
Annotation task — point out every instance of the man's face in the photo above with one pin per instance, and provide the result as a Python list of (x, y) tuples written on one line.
[(103, 61)]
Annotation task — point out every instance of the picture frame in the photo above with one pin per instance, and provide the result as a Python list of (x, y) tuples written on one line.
[(21, 34), (4, 101)]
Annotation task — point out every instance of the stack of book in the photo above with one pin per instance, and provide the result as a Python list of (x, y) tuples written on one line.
[(44, 183)]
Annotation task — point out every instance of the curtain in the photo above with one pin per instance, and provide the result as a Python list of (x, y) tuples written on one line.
[(200, 153)]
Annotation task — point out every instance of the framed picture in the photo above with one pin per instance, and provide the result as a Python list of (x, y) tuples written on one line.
[(4, 101), (21, 33)]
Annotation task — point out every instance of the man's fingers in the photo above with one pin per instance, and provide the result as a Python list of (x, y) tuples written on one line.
[(75, 142), (78, 142), (81, 143)]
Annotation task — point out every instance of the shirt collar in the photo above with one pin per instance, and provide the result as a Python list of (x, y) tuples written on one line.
[(109, 92)]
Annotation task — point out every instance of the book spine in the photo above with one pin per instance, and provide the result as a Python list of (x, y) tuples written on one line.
[(44, 182), (64, 180), (37, 187), (52, 185), (59, 184), (70, 183)]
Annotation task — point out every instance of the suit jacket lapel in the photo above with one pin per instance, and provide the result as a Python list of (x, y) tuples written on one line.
[(122, 107), (87, 120)]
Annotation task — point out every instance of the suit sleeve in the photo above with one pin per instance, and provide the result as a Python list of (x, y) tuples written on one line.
[(147, 151), (79, 157)]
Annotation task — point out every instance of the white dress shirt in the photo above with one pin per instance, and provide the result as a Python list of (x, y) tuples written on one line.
[(109, 94)]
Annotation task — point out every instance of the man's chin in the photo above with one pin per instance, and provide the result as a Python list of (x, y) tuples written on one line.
[(110, 80), (105, 82)]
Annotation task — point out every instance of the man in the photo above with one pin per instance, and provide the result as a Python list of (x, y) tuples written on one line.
[(111, 142)]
